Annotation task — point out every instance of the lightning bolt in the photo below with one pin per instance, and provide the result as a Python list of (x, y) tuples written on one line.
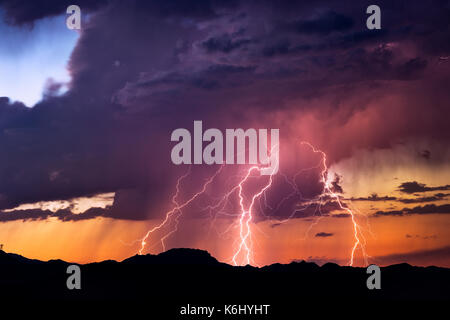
[(327, 192), (243, 255), (177, 208), (246, 218)]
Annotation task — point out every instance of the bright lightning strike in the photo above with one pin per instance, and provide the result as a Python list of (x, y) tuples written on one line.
[(244, 254), (327, 192), (177, 208), (246, 217)]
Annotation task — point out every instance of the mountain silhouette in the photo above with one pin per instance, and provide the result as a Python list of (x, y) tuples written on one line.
[(181, 276)]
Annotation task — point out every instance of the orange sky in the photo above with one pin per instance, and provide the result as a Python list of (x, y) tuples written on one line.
[(105, 238), (389, 239)]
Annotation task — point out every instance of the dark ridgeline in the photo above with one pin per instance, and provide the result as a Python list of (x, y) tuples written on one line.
[(182, 276)]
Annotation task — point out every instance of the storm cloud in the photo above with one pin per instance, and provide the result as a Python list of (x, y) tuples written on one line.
[(426, 209), (416, 187), (324, 235), (142, 69)]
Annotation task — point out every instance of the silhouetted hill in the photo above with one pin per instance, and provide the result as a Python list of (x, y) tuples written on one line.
[(175, 256), (188, 276)]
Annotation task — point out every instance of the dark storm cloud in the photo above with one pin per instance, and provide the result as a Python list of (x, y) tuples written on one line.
[(435, 197), (23, 12), (415, 187), (224, 43), (318, 209), (324, 235), (430, 208), (62, 214), (183, 8), (341, 215), (215, 76), (324, 24), (426, 209), (411, 68), (396, 213), (11, 112), (374, 197), (24, 215), (144, 68)]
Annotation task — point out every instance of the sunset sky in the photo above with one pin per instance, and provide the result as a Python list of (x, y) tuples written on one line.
[(86, 118)]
